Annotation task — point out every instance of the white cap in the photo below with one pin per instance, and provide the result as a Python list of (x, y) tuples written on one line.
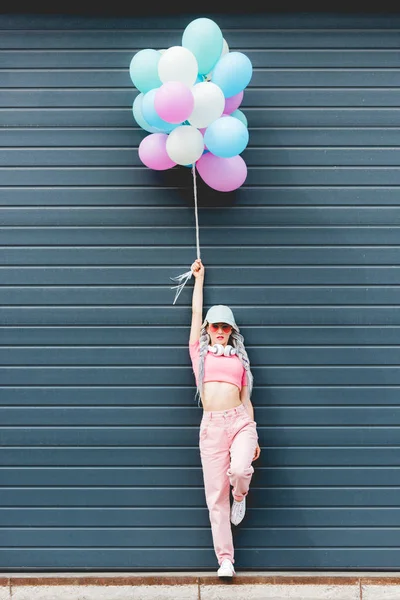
[(219, 313)]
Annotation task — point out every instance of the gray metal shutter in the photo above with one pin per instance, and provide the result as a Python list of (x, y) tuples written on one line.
[(99, 461)]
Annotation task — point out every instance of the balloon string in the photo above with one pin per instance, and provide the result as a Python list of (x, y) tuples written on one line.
[(184, 278), (195, 209)]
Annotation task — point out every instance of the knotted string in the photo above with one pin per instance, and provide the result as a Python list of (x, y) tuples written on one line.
[(184, 278)]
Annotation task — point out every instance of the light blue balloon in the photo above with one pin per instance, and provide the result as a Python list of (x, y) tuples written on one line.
[(232, 73), (151, 116), (143, 70), (138, 115), (204, 39), (226, 137), (238, 114)]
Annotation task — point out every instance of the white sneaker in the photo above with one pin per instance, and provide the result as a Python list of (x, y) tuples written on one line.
[(226, 569), (238, 511)]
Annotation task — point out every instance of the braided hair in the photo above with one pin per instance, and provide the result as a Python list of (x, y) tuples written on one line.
[(237, 341)]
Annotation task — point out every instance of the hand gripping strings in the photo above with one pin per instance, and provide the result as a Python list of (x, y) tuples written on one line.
[(184, 278)]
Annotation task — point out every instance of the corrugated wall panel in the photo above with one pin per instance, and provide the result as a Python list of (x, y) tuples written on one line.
[(99, 464)]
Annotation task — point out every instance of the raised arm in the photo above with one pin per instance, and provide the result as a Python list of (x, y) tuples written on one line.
[(197, 300)]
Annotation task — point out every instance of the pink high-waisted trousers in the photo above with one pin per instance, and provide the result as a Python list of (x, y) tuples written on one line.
[(228, 440)]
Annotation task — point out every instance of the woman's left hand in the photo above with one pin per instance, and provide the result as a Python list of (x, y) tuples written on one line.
[(257, 453)]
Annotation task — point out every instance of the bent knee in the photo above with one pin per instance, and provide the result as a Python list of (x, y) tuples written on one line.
[(240, 472)]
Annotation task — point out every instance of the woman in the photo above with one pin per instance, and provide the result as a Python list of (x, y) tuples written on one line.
[(228, 436)]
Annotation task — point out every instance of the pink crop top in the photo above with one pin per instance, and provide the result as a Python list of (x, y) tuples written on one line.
[(218, 368)]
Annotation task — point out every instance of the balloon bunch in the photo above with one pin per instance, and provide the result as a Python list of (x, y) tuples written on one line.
[(188, 102)]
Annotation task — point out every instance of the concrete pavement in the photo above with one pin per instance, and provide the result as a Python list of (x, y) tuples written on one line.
[(201, 586)]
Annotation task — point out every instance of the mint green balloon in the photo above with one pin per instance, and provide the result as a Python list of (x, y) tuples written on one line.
[(238, 114), (204, 39), (143, 70)]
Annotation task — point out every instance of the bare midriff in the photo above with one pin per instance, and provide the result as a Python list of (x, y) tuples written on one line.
[(219, 395)]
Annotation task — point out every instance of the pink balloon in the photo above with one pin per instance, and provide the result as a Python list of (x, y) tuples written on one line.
[(153, 154), (233, 102), (222, 174), (174, 101)]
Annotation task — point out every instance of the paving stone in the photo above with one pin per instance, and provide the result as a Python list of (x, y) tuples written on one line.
[(5, 592), (72, 592), (380, 592), (230, 591), (167, 592), (104, 592)]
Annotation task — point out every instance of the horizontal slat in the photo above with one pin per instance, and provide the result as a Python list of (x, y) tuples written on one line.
[(86, 98), (169, 457), (181, 257), (194, 497), (154, 559), (155, 236), (161, 335), (156, 295), (256, 117), (185, 416), (308, 157), (276, 137), (181, 196), (279, 375), (137, 176), (271, 77), (261, 275), (166, 356), (263, 219), (130, 137), (73, 395), (149, 538), (263, 49), (128, 157), (289, 315), (143, 20), (276, 436), (197, 517), (164, 476)]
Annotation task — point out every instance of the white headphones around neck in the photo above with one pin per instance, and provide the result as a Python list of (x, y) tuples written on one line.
[(219, 350)]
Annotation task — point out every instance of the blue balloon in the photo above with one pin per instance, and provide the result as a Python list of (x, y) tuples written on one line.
[(151, 116), (143, 70), (226, 137), (138, 115), (232, 73), (204, 39)]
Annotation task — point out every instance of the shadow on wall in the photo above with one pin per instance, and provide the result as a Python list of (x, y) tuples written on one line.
[(181, 178)]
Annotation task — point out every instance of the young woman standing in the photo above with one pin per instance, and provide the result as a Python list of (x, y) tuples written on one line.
[(228, 436)]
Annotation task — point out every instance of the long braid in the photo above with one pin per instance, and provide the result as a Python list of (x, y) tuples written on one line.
[(204, 343), (238, 343)]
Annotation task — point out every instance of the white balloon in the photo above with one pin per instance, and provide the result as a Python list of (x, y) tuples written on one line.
[(178, 64), (209, 104), (225, 47), (185, 145), (225, 50)]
